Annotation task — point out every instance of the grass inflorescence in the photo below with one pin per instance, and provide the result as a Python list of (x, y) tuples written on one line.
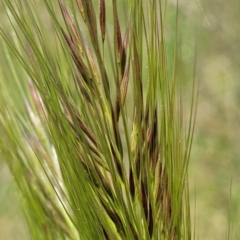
[(95, 134)]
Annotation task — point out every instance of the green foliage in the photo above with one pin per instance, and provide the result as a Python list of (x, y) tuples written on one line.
[(95, 134)]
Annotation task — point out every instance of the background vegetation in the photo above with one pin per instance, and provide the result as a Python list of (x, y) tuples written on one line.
[(215, 158)]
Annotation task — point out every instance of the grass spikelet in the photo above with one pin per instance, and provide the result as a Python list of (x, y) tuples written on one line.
[(102, 18), (81, 9)]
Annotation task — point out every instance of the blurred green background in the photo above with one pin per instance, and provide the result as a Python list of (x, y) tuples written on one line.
[(215, 160)]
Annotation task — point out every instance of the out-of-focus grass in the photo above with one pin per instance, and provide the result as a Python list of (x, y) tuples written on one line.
[(11, 222), (215, 156)]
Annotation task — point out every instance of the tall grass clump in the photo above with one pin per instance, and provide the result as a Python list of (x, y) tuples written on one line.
[(92, 121)]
